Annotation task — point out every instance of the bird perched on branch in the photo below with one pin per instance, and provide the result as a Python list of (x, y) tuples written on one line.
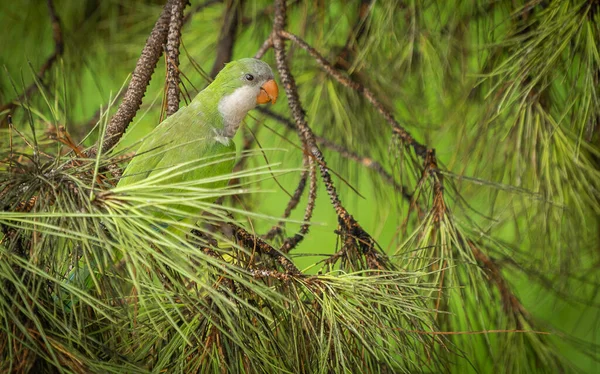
[(199, 136), (191, 152)]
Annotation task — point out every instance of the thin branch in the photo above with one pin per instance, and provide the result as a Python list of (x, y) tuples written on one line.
[(253, 242), (58, 51), (304, 131), (227, 36), (115, 170), (349, 227), (419, 148), (510, 302), (173, 39), (428, 156), (291, 205), (291, 242), (140, 79), (367, 162), (267, 273), (268, 44)]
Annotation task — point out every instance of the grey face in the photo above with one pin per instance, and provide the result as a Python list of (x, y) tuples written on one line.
[(255, 72), (255, 85)]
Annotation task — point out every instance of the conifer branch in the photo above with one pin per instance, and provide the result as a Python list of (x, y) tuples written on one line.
[(291, 242), (173, 40), (365, 161), (349, 227), (140, 79), (252, 242), (408, 139)]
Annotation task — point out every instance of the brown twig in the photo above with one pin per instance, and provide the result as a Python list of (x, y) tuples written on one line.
[(304, 131), (367, 162), (510, 302), (349, 227), (140, 79), (267, 273), (253, 242), (291, 242), (406, 137), (227, 36), (58, 51), (267, 44), (291, 205), (173, 39), (350, 253)]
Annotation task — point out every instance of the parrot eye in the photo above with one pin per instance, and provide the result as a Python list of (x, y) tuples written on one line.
[(249, 77)]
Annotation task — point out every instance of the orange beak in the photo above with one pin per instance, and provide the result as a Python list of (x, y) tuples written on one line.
[(268, 92)]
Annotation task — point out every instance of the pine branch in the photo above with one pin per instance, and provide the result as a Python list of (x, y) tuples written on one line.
[(365, 161), (252, 242), (291, 242), (350, 228), (173, 39), (140, 79), (407, 138), (428, 155), (267, 44), (291, 205)]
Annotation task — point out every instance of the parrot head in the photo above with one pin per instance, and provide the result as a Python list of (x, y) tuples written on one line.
[(252, 77), (240, 86)]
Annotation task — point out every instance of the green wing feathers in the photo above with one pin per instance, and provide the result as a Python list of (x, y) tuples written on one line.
[(193, 147), (182, 149)]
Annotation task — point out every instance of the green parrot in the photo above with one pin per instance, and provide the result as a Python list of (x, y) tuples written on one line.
[(203, 131)]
